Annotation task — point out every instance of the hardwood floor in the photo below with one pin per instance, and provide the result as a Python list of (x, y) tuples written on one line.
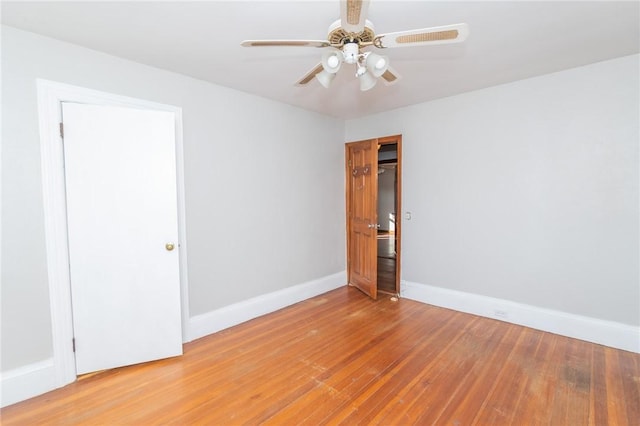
[(343, 358), (386, 276), (386, 263)]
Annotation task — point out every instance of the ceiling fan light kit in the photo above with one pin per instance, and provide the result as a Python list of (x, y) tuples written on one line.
[(325, 78), (367, 81), (376, 64), (332, 60), (350, 34)]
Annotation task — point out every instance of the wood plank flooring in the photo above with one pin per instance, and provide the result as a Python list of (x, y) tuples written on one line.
[(343, 358), (386, 276), (386, 263)]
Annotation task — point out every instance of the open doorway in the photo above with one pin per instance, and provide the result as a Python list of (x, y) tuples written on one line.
[(373, 229), (387, 204)]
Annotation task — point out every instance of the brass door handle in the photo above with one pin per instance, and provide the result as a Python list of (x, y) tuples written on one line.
[(169, 246)]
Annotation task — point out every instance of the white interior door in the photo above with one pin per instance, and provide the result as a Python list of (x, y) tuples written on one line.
[(120, 172)]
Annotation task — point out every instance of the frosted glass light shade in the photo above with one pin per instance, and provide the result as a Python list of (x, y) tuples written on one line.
[(367, 81), (325, 78), (331, 61), (377, 64)]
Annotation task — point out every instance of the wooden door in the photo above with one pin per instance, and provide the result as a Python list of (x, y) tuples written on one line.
[(120, 172), (362, 217)]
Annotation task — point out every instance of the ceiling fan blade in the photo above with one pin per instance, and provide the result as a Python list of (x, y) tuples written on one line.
[(424, 36), (390, 76), (298, 43), (353, 15), (309, 76)]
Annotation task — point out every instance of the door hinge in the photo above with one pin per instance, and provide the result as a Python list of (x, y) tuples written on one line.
[(350, 162), (61, 130), (73, 344)]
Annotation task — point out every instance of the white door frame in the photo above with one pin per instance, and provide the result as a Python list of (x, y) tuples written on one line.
[(50, 96)]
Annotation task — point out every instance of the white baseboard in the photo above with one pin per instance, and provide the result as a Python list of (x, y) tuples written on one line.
[(27, 381), (37, 378), (608, 333), (228, 316), (40, 377)]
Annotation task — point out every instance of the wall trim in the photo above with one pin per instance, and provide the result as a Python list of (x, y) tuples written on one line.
[(608, 333), (43, 376), (50, 96), (228, 316), (27, 381)]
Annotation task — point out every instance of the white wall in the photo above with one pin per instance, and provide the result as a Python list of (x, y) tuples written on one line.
[(264, 186), (527, 191)]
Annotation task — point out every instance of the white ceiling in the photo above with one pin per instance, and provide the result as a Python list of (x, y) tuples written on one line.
[(508, 41)]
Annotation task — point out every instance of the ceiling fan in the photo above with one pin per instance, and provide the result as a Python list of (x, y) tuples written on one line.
[(351, 34)]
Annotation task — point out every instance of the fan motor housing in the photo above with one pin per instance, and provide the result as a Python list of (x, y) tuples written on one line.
[(338, 36)]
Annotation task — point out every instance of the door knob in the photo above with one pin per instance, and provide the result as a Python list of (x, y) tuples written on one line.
[(169, 246)]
